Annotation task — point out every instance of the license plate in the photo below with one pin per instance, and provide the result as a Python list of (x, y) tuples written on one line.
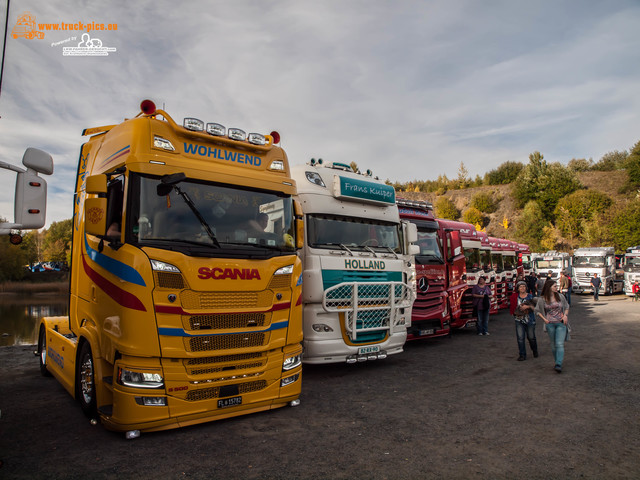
[(471, 324), (229, 402), (429, 331), (369, 349)]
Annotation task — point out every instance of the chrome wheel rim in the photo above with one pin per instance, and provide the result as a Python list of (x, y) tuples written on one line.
[(86, 379)]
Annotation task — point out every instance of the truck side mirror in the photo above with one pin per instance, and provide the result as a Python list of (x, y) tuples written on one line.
[(30, 202), (455, 244), (414, 249), (412, 233), (95, 209)]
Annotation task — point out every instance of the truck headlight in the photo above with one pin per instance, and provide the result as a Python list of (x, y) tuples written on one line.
[(129, 378), (291, 362), (289, 380)]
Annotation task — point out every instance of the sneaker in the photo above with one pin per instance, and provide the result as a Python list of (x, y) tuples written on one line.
[(487, 333), (521, 358), (535, 354), (480, 334), (558, 368)]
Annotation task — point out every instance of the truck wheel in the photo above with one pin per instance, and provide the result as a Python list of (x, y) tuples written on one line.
[(610, 289), (42, 348), (85, 384)]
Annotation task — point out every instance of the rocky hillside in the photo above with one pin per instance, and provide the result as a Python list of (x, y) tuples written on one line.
[(606, 182)]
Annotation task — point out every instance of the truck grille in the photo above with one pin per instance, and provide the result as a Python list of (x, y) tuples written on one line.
[(226, 300), (280, 281), (225, 363), (226, 321), (214, 392), (370, 309), (169, 280), (227, 342)]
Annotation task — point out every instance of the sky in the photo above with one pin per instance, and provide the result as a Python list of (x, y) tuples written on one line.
[(408, 89)]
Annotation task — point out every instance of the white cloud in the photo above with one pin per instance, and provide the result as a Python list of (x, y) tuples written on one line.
[(409, 89)]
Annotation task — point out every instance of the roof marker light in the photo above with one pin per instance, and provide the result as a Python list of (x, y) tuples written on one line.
[(237, 134), (276, 136), (193, 124), (163, 143), (148, 107), (216, 129), (277, 165), (257, 139)]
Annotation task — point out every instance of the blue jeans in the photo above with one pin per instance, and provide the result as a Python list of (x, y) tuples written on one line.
[(568, 296), (482, 325), (530, 330), (557, 334)]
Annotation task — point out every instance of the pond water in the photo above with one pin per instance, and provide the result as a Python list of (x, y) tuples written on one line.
[(19, 317)]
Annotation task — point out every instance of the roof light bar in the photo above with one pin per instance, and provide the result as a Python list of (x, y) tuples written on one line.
[(216, 129), (237, 134), (193, 124), (257, 139)]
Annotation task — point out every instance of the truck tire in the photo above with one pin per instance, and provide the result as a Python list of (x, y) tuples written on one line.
[(610, 288), (85, 384), (42, 348)]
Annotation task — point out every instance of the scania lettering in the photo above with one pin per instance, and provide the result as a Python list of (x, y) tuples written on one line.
[(359, 277), (186, 289)]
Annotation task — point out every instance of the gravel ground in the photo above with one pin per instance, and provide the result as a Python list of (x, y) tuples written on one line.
[(459, 407)]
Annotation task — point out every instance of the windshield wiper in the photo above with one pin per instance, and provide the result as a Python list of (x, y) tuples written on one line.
[(169, 183)]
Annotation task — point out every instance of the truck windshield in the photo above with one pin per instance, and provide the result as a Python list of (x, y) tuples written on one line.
[(498, 262), (588, 262), (330, 231), (430, 251), (485, 260), (632, 264), (526, 262), (238, 217), (547, 264), (472, 259), (510, 262)]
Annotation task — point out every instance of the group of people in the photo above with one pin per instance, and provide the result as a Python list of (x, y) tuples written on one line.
[(552, 306)]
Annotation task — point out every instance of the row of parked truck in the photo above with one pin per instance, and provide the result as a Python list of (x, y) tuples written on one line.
[(205, 270), (617, 272)]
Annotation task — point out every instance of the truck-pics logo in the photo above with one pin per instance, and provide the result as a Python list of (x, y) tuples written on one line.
[(26, 27), (230, 273)]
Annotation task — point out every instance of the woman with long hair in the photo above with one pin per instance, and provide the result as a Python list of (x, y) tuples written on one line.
[(553, 308)]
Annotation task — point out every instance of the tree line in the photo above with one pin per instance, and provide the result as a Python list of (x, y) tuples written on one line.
[(555, 211)]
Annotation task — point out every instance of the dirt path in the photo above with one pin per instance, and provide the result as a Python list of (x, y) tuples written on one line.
[(459, 407)]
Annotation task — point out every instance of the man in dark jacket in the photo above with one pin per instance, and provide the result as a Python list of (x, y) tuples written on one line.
[(595, 285)]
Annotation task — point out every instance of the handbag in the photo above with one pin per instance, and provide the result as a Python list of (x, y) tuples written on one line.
[(486, 303)]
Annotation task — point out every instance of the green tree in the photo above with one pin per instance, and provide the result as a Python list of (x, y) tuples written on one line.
[(576, 208), (624, 227), (473, 216), (529, 226), (12, 259), (545, 183), (632, 166), (463, 176), (580, 164), (483, 201), (504, 174), (57, 241), (446, 209), (611, 161)]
